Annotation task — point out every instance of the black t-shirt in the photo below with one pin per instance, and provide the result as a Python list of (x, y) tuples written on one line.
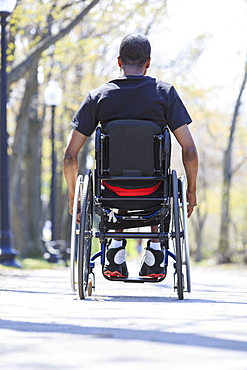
[(131, 97)]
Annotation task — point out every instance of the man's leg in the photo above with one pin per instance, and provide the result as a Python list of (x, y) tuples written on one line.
[(153, 265), (115, 265)]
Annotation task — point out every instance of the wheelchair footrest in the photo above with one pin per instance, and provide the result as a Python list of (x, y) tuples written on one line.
[(138, 279)]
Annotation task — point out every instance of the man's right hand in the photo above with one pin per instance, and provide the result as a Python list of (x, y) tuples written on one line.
[(191, 199)]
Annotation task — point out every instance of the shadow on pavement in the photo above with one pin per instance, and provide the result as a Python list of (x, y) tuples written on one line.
[(188, 339)]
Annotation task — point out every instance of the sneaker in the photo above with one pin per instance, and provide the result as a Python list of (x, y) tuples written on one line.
[(153, 265), (115, 265)]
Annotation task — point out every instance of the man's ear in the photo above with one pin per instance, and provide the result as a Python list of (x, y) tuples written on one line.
[(119, 62), (147, 65)]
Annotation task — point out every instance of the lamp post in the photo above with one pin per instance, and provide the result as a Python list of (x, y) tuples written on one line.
[(53, 97), (7, 252)]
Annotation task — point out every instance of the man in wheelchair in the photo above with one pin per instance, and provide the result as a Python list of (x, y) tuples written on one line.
[(133, 96)]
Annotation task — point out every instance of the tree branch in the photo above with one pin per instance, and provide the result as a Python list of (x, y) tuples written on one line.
[(19, 70), (239, 165)]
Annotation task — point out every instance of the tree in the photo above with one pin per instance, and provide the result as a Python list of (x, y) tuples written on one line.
[(224, 254), (25, 168)]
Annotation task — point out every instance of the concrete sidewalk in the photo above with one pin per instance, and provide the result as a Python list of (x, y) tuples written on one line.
[(43, 324)]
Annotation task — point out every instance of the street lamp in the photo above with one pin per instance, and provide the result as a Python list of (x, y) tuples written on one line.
[(7, 252), (53, 97)]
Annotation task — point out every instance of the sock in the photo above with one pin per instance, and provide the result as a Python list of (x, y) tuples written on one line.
[(155, 246), (115, 243)]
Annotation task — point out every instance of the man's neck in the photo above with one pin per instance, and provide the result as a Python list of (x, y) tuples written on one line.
[(132, 71)]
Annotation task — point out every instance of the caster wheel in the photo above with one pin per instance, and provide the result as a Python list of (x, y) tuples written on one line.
[(90, 287)]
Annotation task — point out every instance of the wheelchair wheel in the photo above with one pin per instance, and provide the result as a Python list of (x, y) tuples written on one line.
[(176, 231), (185, 239), (85, 239), (74, 232)]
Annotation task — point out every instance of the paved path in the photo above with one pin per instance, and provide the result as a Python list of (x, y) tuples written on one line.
[(43, 324)]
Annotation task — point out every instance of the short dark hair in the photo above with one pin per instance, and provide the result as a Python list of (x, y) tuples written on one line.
[(135, 50)]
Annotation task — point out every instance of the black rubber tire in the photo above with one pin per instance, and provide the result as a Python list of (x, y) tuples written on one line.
[(185, 238), (176, 223), (85, 238)]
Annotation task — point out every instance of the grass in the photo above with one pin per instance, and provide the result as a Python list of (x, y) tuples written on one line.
[(35, 264)]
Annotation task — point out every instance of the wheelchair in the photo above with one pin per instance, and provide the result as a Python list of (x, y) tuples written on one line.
[(130, 154)]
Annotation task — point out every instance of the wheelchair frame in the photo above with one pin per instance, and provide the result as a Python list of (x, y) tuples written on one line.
[(82, 234)]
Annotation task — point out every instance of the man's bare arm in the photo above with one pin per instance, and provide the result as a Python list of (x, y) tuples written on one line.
[(190, 162), (70, 163)]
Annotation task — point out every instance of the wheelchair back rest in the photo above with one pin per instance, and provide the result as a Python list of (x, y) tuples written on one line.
[(132, 148)]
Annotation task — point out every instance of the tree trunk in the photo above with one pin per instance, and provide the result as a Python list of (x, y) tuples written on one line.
[(32, 185), (18, 166)]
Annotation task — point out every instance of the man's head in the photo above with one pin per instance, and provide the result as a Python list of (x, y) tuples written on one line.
[(135, 50)]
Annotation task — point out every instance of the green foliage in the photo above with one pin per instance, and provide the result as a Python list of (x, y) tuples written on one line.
[(39, 263), (34, 264)]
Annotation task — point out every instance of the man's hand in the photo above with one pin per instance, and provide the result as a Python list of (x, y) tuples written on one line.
[(191, 199), (71, 202)]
